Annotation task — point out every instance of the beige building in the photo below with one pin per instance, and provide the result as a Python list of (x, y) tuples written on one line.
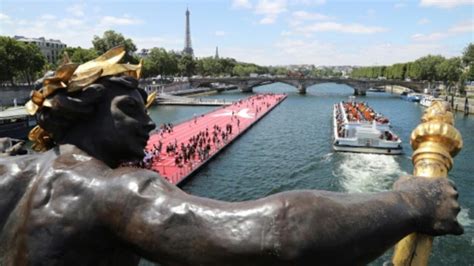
[(51, 49)]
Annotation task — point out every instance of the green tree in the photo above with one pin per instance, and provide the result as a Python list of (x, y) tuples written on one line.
[(160, 62), (83, 55), (32, 62), (468, 60), (413, 71), (209, 66), (469, 74), (187, 65), (111, 39), (427, 67), (19, 60), (227, 65), (79, 55), (449, 71), (10, 52), (468, 55)]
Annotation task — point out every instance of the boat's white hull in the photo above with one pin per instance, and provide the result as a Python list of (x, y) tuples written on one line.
[(391, 151)]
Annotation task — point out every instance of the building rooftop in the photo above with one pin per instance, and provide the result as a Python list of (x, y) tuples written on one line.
[(41, 39)]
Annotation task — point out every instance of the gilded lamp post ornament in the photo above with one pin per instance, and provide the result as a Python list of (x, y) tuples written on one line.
[(75, 77), (435, 142)]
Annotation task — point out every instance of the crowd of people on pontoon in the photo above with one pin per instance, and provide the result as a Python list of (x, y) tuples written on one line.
[(200, 146)]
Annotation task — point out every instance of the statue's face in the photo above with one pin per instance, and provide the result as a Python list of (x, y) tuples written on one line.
[(127, 127)]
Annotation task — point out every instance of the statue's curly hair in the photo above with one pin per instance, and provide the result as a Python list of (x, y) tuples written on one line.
[(69, 108)]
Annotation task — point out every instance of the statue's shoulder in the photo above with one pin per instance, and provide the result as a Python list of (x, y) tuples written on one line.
[(138, 180), (100, 177)]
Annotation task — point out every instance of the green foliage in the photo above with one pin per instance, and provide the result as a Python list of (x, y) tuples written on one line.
[(111, 39), (427, 67), (33, 62), (369, 72), (19, 60), (470, 73), (187, 65), (323, 72), (430, 68), (244, 70), (396, 71), (278, 71), (84, 55), (468, 55), (160, 62), (449, 70), (208, 66), (80, 55)]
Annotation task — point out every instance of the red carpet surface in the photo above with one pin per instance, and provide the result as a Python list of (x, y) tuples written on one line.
[(176, 151)]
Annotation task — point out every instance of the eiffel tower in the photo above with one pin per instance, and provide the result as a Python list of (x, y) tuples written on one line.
[(188, 50)]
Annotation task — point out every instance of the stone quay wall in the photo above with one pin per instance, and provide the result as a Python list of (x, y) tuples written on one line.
[(8, 94)]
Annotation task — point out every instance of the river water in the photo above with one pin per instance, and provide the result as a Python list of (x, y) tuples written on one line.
[(291, 149)]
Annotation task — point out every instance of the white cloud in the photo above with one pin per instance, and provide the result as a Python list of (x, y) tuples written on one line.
[(220, 33), (243, 54), (308, 2), (345, 28), (298, 51), (303, 15), (173, 43), (68, 23), (77, 10), (22, 22), (464, 26), (268, 20), (423, 21), (435, 36), (445, 3), (108, 21), (241, 4), (270, 9), (460, 28), (5, 19), (47, 17)]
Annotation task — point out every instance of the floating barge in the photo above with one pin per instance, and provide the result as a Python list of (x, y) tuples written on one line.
[(188, 146)]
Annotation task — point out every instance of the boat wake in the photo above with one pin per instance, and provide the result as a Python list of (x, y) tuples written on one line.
[(368, 172)]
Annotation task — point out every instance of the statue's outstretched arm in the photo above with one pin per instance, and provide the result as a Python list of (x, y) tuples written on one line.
[(167, 225)]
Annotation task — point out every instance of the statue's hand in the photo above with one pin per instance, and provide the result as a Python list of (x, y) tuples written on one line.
[(435, 201)]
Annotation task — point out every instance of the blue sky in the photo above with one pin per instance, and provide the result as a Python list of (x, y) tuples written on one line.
[(278, 32)]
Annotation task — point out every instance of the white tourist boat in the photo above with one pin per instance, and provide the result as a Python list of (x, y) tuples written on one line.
[(426, 100), (358, 128)]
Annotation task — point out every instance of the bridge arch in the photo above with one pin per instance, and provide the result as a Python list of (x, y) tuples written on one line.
[(360, 86)]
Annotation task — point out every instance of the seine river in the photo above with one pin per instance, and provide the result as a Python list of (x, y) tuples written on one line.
[(291, 149)]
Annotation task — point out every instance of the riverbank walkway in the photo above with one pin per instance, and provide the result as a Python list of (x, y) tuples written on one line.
[(178, 151)]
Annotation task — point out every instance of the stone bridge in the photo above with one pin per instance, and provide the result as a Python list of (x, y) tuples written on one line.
[(360, 86)]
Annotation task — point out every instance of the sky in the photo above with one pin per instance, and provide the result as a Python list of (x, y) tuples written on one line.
[(265, 32)]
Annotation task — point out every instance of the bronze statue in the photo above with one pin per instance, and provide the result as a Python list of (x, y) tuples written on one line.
[(73, 205)]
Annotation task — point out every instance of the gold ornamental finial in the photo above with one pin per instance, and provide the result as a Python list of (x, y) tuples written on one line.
[(74, 77), (435, 142), (435, 139)]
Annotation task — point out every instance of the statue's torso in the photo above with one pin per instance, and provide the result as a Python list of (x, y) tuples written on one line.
[(48, 215)]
